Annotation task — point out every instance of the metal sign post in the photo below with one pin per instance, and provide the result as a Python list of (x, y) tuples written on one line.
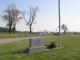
[(59, 23)]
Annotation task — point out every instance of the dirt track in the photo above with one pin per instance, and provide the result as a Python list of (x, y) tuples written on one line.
[(9, 40)]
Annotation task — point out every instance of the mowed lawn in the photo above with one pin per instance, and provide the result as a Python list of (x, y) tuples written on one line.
[(7, 35), (16, 35), (71, 50), (3, 35)]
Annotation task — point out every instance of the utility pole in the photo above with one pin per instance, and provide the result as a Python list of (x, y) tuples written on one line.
[(59, 23)]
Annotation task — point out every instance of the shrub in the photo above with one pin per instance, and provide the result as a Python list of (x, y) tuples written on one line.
[(51, 45)]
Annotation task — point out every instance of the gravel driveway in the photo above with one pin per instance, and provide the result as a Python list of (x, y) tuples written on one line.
[(9, 40)]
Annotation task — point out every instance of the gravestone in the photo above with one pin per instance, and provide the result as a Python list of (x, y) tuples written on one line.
[(37, 44)]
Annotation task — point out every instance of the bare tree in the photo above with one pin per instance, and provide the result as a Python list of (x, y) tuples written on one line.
[(8, 18), (64, 28), (16, 16), (12, 17), (31, 15)]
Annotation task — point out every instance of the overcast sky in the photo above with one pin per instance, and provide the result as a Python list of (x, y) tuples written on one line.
[(47, 17)]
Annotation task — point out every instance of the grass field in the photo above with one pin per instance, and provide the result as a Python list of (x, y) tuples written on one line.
[(16, 35), (3, 35), (71, 50)]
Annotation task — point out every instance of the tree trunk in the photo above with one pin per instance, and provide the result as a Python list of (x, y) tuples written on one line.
[(10, 29), (64, 31), (30, 30), (14, 29)]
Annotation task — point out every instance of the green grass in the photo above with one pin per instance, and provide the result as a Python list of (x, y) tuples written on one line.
[(71, 50), (7, 35), (15, 35)]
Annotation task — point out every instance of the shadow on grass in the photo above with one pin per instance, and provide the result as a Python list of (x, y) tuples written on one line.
[(22, 51)]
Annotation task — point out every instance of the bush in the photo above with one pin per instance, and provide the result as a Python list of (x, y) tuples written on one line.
[(51, 45)]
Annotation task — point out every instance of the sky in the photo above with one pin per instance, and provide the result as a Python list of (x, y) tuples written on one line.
[(47, 17)]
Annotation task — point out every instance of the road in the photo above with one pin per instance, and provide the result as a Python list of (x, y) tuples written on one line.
[(9, 40)]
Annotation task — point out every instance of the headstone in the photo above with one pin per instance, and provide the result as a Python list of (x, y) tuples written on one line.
[(37, 44)]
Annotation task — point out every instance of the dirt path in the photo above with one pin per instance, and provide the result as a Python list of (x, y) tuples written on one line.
[(9, 40)]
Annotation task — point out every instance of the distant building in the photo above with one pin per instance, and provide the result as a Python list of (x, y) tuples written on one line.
[(43, 32)]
